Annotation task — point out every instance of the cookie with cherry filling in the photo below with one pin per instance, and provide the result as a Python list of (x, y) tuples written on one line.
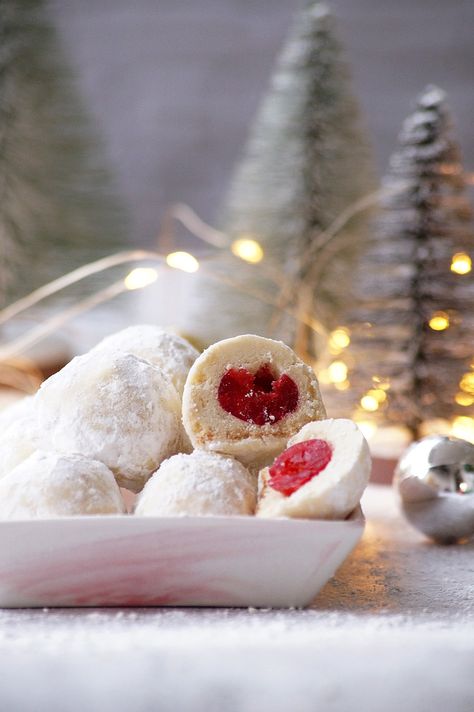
[(321, 475), (245, 396)]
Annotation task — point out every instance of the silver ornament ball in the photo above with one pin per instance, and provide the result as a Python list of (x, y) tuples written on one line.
[(435, 481)]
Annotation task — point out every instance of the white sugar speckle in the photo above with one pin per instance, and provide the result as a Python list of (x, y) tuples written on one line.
[(394, 629)]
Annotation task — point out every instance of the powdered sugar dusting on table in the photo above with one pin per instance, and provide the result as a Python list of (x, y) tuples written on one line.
[(393, 630)]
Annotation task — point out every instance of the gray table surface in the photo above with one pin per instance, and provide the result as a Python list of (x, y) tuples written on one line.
[(393, 630)]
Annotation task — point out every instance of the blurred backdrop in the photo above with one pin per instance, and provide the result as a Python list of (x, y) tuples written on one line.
[(174, 85), (111, 111)]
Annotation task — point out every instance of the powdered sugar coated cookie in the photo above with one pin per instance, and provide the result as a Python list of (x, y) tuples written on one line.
[(21, 437), (201, 483), (115, 408), (321, 475), (48, 485), (170, 352)]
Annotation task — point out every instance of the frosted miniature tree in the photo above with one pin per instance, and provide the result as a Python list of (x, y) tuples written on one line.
[(56, 205), (413, 329), (305, 162)]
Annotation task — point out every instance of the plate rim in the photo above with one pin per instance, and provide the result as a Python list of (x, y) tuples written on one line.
[(356, 517)]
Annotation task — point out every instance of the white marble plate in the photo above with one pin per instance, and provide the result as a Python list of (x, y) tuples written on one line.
[(183, 561)]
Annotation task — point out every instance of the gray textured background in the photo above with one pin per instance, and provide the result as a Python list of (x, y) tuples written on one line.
[(174, 84)]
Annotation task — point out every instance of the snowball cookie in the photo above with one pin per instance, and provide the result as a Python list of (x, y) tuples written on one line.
[(321, 475), (16, 444), (202, 483), (48, 484), (173, 354), (18, 409), (115, 408), (245, 397), (21, 437)]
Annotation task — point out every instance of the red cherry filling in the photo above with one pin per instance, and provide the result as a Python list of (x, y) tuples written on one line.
[(259, 397), (298, 465)]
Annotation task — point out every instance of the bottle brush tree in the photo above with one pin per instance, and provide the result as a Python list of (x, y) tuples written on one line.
[(413, 328), (306, 161), (57, 205)]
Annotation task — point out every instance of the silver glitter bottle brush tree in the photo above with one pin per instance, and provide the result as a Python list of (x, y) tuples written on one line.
[(411, 357), (305, 162), (58, 208)]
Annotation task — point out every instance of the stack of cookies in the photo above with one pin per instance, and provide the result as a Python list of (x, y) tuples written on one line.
[(238, 430)]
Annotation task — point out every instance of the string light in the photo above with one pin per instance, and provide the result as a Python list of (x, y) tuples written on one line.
[(463, 427), (342, 386), (183, 261), (435, 426), (324, 376), (377, 393), (381, 383), (140, 277), (439, 321), (339, 339), (464, 399), (337, 371), (369, 403), (467, 383), (373, 399), (461, 263), (247, 249), (251, 251)]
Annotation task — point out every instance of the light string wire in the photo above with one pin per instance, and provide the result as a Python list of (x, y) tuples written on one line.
[(49, 326), (329, 241), (183, 214)]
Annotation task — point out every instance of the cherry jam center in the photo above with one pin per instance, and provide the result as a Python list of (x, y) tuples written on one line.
[(259, 398), (299, 464)]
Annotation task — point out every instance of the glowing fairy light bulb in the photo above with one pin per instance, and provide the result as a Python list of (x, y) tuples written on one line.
[(337, 371), (140, 277), (377, 393), (461, 263), (463, 427), (183, 261), (369, 403), (466, 383), (339, 339), (247, 249), (324, 376), (439, 321), (464, 399), (342, 385)]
